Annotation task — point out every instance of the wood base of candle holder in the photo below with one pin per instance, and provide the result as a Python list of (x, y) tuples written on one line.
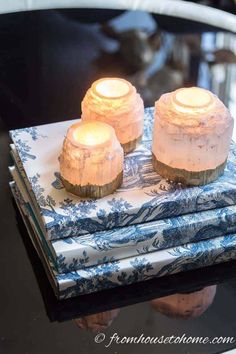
[(93, 191), (131, 145), (188, 178)]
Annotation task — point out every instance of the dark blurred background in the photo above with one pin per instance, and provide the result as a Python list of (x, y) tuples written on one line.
[(48, 59)]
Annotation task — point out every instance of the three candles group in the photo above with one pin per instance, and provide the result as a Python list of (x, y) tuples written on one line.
[(191, 137)]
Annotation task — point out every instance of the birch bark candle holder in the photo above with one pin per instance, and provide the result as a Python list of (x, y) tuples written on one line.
[(191, 137), (91, 161), (116, 102)]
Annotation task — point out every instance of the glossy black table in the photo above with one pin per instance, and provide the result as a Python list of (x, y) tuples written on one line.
[(41, 82)]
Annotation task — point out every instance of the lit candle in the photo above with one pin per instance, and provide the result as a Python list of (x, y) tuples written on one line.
[(191, 137), (91, 161), (116, 102)]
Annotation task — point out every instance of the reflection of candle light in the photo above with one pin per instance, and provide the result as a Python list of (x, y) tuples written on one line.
[(116, 102), (189, 305), (97, 322), (91, 161), (191, 138)]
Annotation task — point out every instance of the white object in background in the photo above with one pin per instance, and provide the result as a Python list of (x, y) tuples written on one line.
[(174, 8)]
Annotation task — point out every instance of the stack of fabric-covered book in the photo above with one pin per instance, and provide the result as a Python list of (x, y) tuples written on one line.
[(148, 228)]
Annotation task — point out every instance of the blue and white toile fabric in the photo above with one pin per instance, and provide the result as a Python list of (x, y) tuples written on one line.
[(75, 253), (143, 197), (87, 250), (139, 268), (144, 267)]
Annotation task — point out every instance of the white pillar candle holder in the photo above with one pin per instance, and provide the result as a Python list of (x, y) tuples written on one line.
[(191, 137), (116, 102), (91, 161)]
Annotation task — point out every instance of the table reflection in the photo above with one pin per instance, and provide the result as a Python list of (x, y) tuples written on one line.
[(178, 306), (97, 322), (185, 306)]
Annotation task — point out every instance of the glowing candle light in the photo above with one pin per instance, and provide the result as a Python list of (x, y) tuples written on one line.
[(91, 134), (91, 161), (116, 102), (193, 98), (112, 88), (191, 137)]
